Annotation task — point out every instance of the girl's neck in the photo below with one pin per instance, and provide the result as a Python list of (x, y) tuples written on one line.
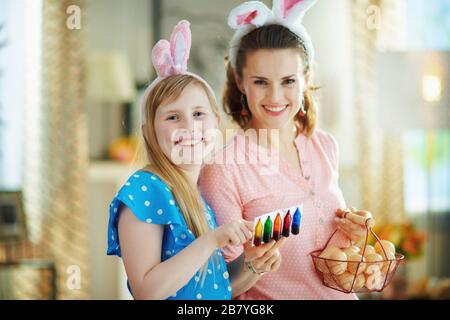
[(193, 172)]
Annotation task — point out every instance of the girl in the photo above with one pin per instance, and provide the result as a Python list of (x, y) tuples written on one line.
[(268, 90), (159, 224)]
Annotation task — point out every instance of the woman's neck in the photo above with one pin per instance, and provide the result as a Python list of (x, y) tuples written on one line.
[(279, 138)]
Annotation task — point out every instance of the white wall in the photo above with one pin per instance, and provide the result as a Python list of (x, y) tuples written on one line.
[(124, 26), (329, 24), (107, 274)]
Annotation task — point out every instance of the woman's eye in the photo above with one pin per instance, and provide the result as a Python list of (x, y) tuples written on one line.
[(289, 81), (259, 82)]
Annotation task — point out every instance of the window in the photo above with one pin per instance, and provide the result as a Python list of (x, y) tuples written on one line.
[(427, 152), (11, 95), (427, 171), (19, 67), (428, 24)]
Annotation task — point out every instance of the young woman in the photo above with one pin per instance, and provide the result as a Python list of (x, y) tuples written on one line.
[(269, 90), (159, 223)]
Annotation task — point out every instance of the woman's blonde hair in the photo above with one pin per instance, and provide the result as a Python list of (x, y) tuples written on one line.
[(185, 191), (268, 37)]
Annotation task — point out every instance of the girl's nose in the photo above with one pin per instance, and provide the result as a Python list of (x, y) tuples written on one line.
[(191, 125), (187, 124)]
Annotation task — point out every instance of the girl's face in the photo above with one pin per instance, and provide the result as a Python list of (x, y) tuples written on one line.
[(185, 128), (274, 83)]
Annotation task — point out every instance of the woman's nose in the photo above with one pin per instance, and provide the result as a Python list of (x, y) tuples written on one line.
[(275, 93)]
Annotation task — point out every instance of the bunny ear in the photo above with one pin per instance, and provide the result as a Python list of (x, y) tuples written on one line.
[(162, 59), (180, 45), (249, 13), (292, 10)]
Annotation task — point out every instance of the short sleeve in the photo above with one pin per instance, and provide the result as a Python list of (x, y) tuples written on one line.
[(217, 186), (333, 151), (331, 147), (149, 199)]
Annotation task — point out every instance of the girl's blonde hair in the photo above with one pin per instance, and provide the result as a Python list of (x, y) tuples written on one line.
[(186, 194)]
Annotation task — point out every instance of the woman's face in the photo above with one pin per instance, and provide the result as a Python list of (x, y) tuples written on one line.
[(274, 83), (186, 128)]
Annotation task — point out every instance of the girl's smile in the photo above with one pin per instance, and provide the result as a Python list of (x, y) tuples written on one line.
[(189, 142)]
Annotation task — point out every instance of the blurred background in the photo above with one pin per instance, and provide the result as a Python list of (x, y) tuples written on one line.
[(71, 77)]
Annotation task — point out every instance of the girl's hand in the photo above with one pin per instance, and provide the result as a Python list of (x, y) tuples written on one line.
[(354, 231), (264, 258), (236, 232)]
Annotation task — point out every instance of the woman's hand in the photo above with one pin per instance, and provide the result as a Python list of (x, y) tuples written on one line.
[(236, 232), (354, 231), (264, 258)]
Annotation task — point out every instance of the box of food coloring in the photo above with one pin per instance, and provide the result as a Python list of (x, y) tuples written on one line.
[(276, 224)]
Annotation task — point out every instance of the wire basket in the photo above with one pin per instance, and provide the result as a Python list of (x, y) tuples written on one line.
[(357, 276)]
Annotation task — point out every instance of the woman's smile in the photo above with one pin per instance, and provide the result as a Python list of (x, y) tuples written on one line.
[(275, 110)]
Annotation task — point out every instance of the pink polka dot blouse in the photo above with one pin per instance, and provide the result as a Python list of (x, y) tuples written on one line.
[(246, 181)]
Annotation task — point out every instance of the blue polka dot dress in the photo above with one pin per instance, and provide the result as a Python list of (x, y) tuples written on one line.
[(151, 201)]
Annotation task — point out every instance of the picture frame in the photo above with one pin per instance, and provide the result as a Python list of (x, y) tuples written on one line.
[(12, 217)]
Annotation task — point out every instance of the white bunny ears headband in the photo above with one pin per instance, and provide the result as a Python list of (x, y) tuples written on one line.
[(254, 14), (170, 58)]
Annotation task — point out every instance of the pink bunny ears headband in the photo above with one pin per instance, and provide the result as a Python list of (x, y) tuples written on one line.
[(170, 58), (254, 14)]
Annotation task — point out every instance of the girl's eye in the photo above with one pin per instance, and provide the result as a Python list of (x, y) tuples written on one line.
[(198, 114), (172, 117), (289, 81)]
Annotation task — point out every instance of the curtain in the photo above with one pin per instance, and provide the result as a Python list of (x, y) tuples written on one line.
[(380, 164), (387, 177), (56, 151)]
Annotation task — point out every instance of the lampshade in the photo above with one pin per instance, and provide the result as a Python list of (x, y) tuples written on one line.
[(109, 78)]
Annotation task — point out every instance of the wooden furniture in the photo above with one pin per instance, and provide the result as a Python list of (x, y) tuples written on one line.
[(21, 256)]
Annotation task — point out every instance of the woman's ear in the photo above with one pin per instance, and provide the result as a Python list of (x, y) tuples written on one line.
[(238, 81)]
